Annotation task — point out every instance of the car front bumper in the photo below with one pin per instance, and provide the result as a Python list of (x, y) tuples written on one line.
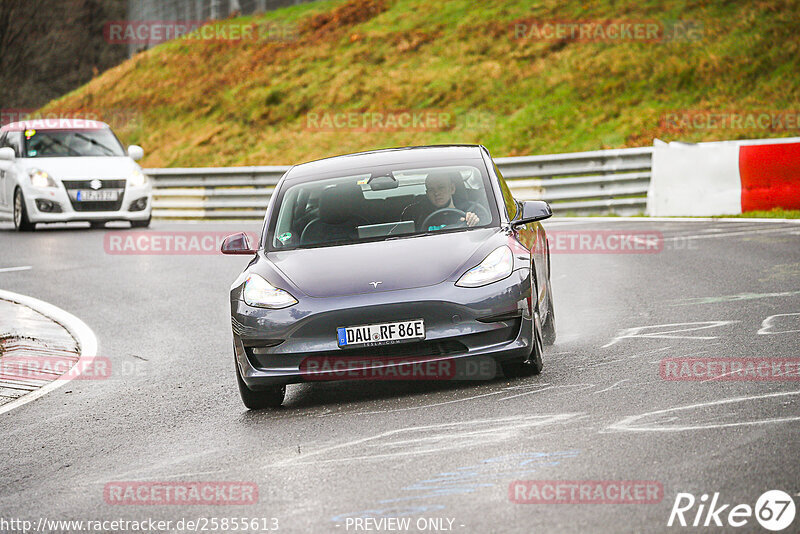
[(272, 346), (69, 210)]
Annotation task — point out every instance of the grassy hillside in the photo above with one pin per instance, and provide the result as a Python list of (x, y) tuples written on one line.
[(248, 102)]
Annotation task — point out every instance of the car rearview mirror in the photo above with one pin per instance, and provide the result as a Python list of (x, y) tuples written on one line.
[(7, 154), (382, 183), (532, 211), (135, 152), (237, 244)]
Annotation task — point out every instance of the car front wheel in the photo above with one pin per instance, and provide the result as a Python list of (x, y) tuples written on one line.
[(549, 326), (533, 364), (260, 399), (21, 221)]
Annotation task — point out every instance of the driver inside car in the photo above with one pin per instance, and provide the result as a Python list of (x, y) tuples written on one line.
[(440, 187)]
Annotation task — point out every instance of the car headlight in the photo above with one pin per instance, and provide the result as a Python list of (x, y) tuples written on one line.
[(137, 179), (40, 178), (497, 265), (261, 294)]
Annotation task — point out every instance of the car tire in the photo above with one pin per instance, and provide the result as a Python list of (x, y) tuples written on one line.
[(141, 224), (533, 364), (258, 400), (549, 326), (21, 221)]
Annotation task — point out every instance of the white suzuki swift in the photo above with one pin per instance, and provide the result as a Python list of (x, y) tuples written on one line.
[(60, 170)]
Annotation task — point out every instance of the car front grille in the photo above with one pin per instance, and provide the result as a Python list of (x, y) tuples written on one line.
[(87, 184), (96, 205), (72, 186), (420, 349), (400, 350)]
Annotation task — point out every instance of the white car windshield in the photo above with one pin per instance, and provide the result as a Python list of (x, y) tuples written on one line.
[(70, 143)]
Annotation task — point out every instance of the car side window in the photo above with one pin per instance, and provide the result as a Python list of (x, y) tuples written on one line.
[(508, 198), (14, 141)]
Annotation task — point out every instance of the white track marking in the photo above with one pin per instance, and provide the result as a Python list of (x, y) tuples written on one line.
[(392, 410), (766, 325), (601, 364), (14, 269), (625, 424), (87, 343), (741, 220), (582, 386), (728, 234), (432, 439), (527, 393), (648, 352), (609, 388), (432, 405), (732, 298), (691, 354), (636, 332)]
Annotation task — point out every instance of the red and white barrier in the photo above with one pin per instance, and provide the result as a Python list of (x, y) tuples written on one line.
[(724, 178)]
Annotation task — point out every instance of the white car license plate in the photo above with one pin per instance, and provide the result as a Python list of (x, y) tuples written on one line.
[(95, 196), (380, 334)]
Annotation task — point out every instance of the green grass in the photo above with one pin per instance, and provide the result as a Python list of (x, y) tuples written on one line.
[(775, 213), (246, 103)]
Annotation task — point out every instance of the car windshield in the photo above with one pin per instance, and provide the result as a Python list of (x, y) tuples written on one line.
[(381, 204), (71, 143)]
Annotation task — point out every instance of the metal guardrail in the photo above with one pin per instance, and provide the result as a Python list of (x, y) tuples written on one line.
[(602, 181)]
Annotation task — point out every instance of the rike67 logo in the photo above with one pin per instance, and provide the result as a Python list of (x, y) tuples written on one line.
[(774, 510)]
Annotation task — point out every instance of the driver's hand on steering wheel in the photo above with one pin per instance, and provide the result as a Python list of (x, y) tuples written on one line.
[(471, 219)]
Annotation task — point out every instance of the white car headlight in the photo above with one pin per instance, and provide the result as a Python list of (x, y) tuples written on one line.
[(497, 265), (137, 179), (40, 178), (261, 294)]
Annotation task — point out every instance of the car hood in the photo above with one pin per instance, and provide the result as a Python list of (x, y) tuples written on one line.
[(397, 264), (83, 168)]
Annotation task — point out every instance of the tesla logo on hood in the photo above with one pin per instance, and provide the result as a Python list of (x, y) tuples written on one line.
[(375, 284), (95, 184)]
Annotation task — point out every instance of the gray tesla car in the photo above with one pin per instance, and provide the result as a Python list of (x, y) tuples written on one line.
[(391, 264)]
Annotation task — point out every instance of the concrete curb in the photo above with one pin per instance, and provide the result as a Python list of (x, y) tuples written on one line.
[(83, 335)]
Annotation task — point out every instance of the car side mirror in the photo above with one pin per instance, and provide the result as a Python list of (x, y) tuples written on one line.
[(532, 211), (135, 152), (237, 244), (7, 154)]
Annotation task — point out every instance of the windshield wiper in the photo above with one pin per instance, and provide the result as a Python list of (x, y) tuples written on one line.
[(53, 141), (410, 236), (96, 142)]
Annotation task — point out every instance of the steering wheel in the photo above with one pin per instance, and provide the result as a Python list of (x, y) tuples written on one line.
[(451, 213)]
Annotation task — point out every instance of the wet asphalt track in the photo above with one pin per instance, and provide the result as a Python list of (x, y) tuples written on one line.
[(171, 412)]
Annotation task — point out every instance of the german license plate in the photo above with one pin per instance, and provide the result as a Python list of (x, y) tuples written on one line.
[(380, 334), (87, 195)]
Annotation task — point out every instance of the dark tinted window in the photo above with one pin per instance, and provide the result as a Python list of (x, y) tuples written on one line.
[(379, 204), (508, 198)]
